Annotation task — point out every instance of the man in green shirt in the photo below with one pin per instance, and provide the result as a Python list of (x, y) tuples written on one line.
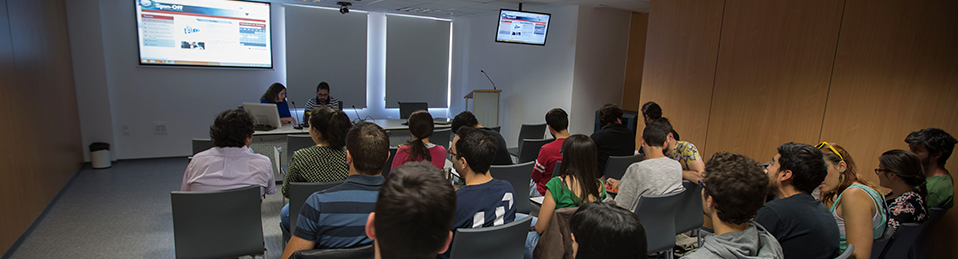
[(934, 146)]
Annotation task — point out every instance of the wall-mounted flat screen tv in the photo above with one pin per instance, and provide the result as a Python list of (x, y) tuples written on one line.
[(215, 33), (522, 27)]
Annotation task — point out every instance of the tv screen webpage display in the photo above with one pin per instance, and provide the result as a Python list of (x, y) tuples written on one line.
[(217, 33), (522, 27)]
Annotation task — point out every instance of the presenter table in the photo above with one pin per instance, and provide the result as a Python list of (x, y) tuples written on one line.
[(267, 142)]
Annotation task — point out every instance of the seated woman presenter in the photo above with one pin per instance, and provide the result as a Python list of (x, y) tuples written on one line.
[(324, 162), (901, 171), (577, 183), (859, 207), (277, 94), (419, 149)]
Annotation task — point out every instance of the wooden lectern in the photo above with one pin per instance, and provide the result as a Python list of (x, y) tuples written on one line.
[(485, 105)]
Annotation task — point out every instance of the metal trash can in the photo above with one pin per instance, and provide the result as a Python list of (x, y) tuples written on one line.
[(100, 155)]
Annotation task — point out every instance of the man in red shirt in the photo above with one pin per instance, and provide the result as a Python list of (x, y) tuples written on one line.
[(558, 121)]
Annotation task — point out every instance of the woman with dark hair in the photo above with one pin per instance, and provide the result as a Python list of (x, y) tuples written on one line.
[(276, 94), (419, 149), (230, 163), (577, 183), (900, 171), (601, 230), (651, 112), (324, 162), (855, 203)]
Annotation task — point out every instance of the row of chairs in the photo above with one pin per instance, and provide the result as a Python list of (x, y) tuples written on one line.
[(910, 240)]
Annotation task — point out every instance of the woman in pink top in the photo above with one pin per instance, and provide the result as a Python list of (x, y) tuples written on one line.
[(419, 149)]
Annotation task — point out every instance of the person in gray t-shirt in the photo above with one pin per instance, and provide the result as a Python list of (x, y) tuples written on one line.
[(655, 175)]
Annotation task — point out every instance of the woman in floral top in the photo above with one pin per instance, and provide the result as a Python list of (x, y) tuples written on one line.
[(901, 171)]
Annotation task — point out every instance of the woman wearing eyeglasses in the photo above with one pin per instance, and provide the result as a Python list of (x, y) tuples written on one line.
[(901, 171), (855, 203)]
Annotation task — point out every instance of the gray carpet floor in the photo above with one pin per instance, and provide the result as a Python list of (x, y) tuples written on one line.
[(124, 212)]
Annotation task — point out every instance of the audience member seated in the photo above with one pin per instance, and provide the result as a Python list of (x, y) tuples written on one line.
[(605, 231), (230, 163), (655, 175), (612, 138), (901, 171), (800, 223), (467, 119), (558, 122), (651, 111), (577, 183), (414, 214), (934, 147), (686, 153), (419, 149), (484, 201), (322, 99), (333, 218), (733, 189), (858, 206), (324, 162), (276, 94)]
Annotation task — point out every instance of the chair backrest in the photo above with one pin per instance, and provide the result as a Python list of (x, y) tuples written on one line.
[(518, 175), (496, 128), (923, 248), (299, 192), (441, 137), (657, 214), (531, 131), (340, 105), (555, 170), (389, 162), (361, 252), (503, 241), (529, 149), (879, 244), (200, 144), (901, 243), (689, 214), (297, 142), (217, 224), (616, 166), (848, 252)]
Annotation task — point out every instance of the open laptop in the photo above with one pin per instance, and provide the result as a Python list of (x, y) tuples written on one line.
[(406, 109), (265, 115)]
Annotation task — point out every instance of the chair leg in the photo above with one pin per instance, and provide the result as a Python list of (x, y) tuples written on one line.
[(669, 254)]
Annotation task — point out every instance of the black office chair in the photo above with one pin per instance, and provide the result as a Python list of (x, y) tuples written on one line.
[(496, 128), (923, 248), (657, 214), (530, 149), (441, 137), (361, 252), (528, 131), (217, 224), (518, 176), (503, 241), (616, 165), (392, 154), (689, 214), (298, 193), (201, 144), (901, 243)]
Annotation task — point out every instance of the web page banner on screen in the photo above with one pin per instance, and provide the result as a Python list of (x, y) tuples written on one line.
[(219, 33), (522, 27)]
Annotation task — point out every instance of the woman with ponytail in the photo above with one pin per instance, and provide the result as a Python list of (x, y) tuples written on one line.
[(419, 149), (856, 204), (901, 171), (324, 162)]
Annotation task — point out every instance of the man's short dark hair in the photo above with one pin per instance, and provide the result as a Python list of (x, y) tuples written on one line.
[(609, 113), (322, 86), (652, 110), (656, 133), (466, 119), (807, 165), (478, 147), (607, 231), (414, 213), (557, 119), (935, 140), (231, 128), (737, 185), (368, 145)]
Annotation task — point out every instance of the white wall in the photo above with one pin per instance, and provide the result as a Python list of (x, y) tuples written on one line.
[(89, 73), (533, 79), (601, 47)]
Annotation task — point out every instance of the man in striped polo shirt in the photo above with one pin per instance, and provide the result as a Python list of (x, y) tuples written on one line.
[(336, 217)]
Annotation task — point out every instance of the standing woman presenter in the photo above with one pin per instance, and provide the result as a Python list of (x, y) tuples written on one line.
[(276, 94)]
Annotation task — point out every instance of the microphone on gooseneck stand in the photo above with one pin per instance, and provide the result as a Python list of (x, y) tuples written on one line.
[(298, 125), (490, 79), (358, 119)]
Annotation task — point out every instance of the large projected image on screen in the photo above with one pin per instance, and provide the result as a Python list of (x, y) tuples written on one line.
[(219, 33), (522, 27)]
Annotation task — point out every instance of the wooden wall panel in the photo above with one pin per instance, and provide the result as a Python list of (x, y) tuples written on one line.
[(634, 61), (38, 90), (896, 71), (680, 53), (771, 82)]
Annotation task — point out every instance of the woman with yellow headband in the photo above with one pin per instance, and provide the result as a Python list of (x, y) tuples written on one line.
[(858, 207)]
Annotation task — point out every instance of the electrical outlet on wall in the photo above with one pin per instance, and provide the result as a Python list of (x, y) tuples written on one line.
[(159, 128), (125, 128)]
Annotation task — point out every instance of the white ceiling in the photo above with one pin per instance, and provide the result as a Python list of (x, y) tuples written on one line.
[(455, 8)]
